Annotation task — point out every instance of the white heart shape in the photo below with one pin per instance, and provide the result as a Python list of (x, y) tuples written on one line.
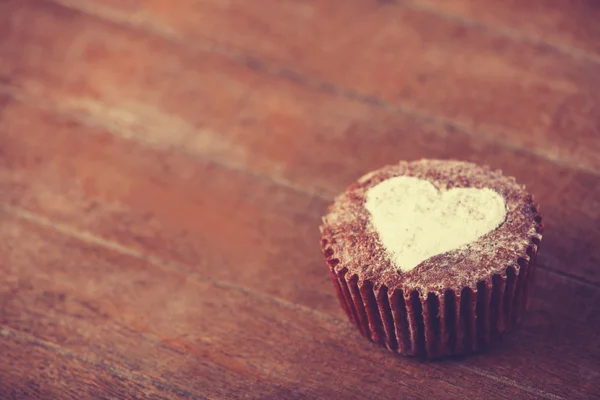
[(415, 221)]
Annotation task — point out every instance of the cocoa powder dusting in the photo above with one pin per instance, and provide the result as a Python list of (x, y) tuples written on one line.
[(347, 230)]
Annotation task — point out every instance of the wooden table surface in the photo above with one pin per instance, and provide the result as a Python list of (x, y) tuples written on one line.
[(164, 166)]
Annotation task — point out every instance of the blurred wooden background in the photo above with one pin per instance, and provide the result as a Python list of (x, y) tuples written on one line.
[(164, 166)]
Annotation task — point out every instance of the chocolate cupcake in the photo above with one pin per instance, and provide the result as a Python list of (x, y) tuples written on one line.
[(433, 258)]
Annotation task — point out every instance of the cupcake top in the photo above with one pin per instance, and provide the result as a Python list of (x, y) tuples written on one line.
[(430, 225)]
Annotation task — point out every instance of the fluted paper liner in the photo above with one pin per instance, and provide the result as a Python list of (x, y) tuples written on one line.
[(433, 324)]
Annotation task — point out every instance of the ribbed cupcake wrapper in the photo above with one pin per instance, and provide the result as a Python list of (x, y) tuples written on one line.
[(435, 325)]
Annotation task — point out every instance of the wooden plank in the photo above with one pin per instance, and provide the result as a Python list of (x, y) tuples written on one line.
[(206, 104), (101, 195), (108, 177), (570, 26), (34, 369), (163, 322), (153, 204), (569, 239), (546, 337), (64, 291), (399, 57)]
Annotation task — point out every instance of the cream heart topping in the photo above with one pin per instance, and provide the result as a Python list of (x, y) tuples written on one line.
[(415, 221)]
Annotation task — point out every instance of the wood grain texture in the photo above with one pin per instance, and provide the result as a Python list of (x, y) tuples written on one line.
[(123, 310), (162, 180), (433, 67), (272, 126), (118, 189), (35, 369), (568, 26)]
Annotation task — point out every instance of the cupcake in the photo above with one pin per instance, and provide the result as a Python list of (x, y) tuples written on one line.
[(433, 258)]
